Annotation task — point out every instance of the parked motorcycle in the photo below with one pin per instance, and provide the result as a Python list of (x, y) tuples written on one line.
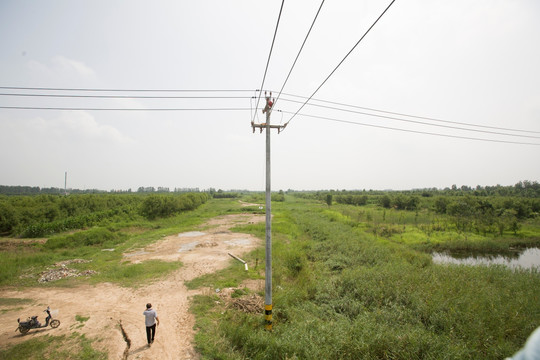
[(33, 323)]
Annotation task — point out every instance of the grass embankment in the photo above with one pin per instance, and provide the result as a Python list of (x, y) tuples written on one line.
[(342, 291)]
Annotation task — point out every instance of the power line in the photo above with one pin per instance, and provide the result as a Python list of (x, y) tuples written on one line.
[(120, 109), (298, 55), (341, 62), (123, 96), (268, 61), (416, 116), (415, 131), (237, 97), (122, 90), (417, 122)]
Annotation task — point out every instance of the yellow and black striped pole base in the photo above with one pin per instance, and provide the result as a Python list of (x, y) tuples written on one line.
[(268, 317)]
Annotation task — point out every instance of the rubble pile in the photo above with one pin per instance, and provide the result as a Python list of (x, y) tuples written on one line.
[(69, 262), (207, 244), (61, 271), (252, 304)]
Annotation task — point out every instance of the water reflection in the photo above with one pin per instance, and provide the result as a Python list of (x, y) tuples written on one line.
[(527, 259)]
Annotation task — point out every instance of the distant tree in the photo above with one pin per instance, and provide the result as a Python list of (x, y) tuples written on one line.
[(440, 204), (385, 201), (329, 199)]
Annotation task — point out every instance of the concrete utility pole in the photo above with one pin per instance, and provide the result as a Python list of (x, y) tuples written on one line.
[(268, 273)]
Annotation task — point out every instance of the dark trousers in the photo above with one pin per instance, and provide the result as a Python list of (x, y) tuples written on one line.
[(150, 333)]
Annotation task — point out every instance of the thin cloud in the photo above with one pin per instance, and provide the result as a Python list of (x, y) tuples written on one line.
[(61, 67), (83, 125)]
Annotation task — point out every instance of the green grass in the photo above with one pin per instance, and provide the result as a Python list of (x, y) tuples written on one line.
[(20, 266), (427, 231), (349, 282), (14, 301), (76, 346), (13, 304), (231, 276), (81, 318), (341, 291)]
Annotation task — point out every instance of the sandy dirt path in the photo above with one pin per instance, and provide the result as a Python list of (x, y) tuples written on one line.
[(202, 252)]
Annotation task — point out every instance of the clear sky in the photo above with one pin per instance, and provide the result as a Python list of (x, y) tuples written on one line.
[(472, 63)]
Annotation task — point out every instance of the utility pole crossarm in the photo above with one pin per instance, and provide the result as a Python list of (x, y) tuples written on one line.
[(268, 110), (264, 126)]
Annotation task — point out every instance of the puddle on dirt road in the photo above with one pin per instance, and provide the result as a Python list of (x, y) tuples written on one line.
[(527, 259), (191, 234), (238, 242), (188, 247)]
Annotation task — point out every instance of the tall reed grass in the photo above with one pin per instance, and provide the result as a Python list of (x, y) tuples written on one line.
[(343, 293)]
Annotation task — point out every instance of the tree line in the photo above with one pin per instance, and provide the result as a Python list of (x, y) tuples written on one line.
[(466, 210), (40, 215)]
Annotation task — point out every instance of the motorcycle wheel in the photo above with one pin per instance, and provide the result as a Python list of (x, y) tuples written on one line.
[(23, 330), (55, 323)]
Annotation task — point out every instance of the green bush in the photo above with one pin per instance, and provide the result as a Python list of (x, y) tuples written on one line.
[(92, 237), (159, 206)]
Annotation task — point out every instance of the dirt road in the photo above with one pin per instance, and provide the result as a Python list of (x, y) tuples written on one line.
[(106, 304)]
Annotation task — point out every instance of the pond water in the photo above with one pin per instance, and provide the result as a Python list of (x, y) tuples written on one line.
[(526, 259)]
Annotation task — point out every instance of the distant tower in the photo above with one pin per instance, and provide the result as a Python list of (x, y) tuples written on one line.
[(65, 184)]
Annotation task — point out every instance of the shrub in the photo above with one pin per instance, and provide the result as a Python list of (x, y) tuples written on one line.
[(92, 237), (158, 206)]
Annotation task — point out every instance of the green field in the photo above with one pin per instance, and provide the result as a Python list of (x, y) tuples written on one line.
[(345, 289), (352, 277)]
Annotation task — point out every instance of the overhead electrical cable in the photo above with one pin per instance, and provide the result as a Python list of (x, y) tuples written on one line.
[(341, 62), (298, 55), (415, 116), (416, 121), (268, 61), (47, 95), (120, 109), (122, 90), (125, 96), (414, 131)]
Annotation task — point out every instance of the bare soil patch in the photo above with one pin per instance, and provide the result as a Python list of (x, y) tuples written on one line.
[(202, 252), (245, 204), (7, 244)]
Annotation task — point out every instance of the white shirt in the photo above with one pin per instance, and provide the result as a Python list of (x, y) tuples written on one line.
[(150, 317)]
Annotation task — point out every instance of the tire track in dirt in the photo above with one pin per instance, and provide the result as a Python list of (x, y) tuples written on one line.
[(202, 252)]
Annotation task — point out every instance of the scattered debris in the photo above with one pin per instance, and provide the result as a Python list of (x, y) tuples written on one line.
[(74, 261), (207, 244), (237, 258), (88, 273), (252, 304), (61, 271)]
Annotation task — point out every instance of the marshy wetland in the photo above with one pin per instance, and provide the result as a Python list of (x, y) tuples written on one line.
[(353, 272)]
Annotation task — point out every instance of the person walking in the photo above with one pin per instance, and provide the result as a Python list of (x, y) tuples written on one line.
[(151, 320)]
